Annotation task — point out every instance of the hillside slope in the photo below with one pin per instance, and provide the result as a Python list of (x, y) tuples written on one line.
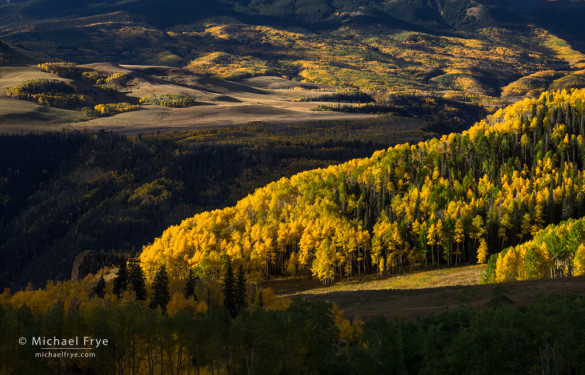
[(443, 201), (438, 47), (557, 250), (67, 192), (215, 101)]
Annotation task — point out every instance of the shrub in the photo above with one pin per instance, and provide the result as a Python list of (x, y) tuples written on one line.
[(50, 92), (62, 69), (169, 100), (113, 108)]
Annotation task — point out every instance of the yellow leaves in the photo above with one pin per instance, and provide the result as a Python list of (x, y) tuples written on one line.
[(228, 66), (272, 302), (71, 294), (524, 141), (315, 221), (218, 31), (484, 185), (507, 266), (109, 109), (459, 233), (482, 252), (178, 303), (579, 261), (348, 332), (505, 225), (559, 130), (434, 233), (562, 49), (478, 228)]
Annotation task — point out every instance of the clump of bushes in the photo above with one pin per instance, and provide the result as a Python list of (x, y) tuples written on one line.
[(62, 69), (94, 77), (113, 108), (117, 79), (50, 92), (169, 100)]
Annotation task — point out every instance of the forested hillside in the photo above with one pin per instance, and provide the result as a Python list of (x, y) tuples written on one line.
[(440, 202), (557, 250), (64, 193)]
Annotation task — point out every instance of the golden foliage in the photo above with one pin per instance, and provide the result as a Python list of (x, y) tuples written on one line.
[(402, 206)]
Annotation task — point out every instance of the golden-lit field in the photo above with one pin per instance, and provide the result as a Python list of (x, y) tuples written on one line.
[(218, 102), (419, 294)]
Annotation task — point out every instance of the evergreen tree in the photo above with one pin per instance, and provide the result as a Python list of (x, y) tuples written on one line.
[(240, 291), (229, 291), (580, 204), (121, 280), (161, 295), (136, 279), (190, 285), (260, 300), (100, 287)]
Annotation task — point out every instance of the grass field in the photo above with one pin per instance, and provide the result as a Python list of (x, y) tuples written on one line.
[(219, 103), (422, 293)]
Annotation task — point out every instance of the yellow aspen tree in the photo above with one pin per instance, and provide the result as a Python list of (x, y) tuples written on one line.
[(538, 219), (432, 239), (579, 261), (505, 225), (482, 252), (458, 237)]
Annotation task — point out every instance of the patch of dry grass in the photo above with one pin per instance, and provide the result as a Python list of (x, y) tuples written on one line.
[(435, 278), (421, 294)]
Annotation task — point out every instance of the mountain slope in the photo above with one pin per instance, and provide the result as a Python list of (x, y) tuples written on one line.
[(463, 48), (442, 201)]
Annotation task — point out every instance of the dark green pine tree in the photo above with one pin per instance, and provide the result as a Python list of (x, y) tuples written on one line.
[(121, 280), (136, 279), (160, 286), (229, 291), (190, 285), (260, 302), (100, 287), (241, 292), (551, 216), (580, 204)]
